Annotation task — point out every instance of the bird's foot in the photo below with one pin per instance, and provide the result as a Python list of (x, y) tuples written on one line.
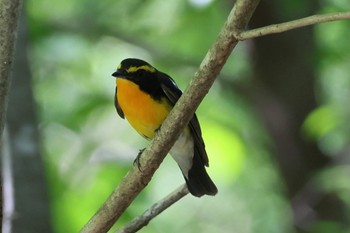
[(137, 160), (157, 129)]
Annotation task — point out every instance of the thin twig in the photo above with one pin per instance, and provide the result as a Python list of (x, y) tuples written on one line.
[(134, 181), (282, 27), (157, 208)]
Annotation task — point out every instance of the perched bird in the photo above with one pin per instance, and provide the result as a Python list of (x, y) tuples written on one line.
[(145, 96)]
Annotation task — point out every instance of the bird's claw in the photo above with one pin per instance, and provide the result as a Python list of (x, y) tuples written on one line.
[(157, 129), (137, 160)]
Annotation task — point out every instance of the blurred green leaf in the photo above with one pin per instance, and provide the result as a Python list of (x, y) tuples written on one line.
[(320, 122)]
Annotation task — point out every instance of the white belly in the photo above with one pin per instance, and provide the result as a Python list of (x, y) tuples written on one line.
[(183, 152)]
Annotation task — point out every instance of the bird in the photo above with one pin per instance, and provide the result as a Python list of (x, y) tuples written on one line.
[(145, 96)]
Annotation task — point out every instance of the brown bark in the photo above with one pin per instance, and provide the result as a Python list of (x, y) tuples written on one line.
[(9, 11)]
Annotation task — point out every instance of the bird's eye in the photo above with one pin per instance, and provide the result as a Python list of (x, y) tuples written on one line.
[(141, 73)]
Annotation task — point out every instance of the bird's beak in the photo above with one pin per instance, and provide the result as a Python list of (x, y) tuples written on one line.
[(116, 74), (120, 74)]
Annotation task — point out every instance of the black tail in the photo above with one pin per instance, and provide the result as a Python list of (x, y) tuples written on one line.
[(198, 181)]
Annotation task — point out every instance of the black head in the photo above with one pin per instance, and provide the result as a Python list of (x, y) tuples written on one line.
[(133, 67), (142, 74)]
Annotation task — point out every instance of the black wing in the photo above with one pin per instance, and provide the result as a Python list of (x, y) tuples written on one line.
[(117, 106), (174, 93)]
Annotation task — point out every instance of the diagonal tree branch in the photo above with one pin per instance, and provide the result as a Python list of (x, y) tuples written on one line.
[(298, 23), (134, 181), (157, 208)]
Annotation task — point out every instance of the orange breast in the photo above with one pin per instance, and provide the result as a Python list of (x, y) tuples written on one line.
[(143, 113)]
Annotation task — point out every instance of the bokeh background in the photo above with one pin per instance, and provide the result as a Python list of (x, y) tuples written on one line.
[(275, 123)]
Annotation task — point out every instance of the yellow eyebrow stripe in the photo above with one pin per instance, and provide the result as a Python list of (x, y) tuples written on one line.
[(133, 69)]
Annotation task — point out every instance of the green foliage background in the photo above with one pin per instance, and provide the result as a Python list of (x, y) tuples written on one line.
[(75, 47)]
